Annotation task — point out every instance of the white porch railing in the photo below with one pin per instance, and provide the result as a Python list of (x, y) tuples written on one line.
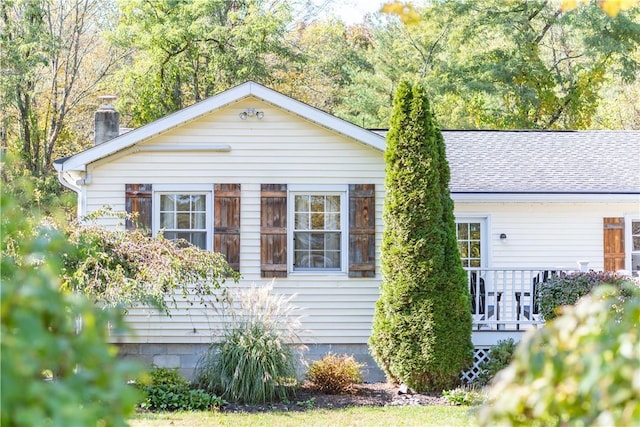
[(504, 299)]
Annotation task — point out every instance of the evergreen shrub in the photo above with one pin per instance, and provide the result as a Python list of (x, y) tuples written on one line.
[(422, 324)]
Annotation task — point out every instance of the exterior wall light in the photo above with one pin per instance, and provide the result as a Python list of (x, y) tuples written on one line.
[(251, 112)]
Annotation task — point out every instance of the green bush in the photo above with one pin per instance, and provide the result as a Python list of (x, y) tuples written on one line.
[(580, 369), (567, 289), (464, 396), (422, 324), (498, 358), (52, 334), (169, 391), (255, 361), (335, 374)]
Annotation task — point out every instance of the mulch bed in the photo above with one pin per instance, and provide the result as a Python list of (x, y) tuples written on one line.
[(367, 394)]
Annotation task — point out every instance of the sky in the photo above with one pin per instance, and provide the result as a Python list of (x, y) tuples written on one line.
[(353, 11)]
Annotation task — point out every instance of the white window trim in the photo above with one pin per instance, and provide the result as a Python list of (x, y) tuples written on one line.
[(342, 191), (182, 189), (485, 232), (628, 243)]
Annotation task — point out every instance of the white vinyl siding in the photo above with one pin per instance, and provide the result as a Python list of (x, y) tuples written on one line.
[(551, 234), (280, 148)]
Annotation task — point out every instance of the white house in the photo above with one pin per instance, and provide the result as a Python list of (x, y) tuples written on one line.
[(292, 194)]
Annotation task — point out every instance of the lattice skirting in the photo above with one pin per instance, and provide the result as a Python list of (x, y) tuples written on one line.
[(480, 354)]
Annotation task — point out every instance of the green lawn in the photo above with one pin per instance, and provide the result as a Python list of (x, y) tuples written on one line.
[(361, 416)]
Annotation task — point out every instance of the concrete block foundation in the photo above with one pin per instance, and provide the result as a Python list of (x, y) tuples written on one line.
[(185, 357)]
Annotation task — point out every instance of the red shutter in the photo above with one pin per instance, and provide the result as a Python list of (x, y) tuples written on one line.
[(226, 222), (362, 230), (273, 230), (138, 200), (613, 231)]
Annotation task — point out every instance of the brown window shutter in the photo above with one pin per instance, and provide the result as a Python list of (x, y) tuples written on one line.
[(273, 230), (226, 222), (613, 231), (138, 199), (362, 230)]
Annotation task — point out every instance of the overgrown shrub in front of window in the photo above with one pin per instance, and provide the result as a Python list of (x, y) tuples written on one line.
[(499, 357), (335, 374), (167, 390), (580, 369), (567, 289), (255, 360)]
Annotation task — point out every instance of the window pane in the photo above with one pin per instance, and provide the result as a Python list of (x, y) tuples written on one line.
[(332, 221), (474, 263), (199, 220), (636, 243), (317, 203), (301, 259), (167, 202), (198, 202), (334, 259), (198, 239), (635, 263), (302, 240), (183, 220), (318, 260), (464, 249), (463, 231), (474, 250), (333, 204), (317, 221), (474, 228), (167, 220), (635, 227), (332, 241), (302, 204), (302, 221), (317, 241), (183, 202)]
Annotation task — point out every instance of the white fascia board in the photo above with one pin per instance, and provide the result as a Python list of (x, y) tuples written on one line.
[(546, 197), (80, 160)]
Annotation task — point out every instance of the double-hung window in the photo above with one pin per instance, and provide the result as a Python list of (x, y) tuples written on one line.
[(184, 215), (318, 235)]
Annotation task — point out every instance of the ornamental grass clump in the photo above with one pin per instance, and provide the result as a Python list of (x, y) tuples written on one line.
[(335, 374), (255, 360)]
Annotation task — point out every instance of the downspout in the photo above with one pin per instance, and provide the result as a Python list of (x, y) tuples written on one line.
[(69, 180)]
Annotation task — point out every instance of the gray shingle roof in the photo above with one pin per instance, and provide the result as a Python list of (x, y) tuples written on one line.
[(544, 161)]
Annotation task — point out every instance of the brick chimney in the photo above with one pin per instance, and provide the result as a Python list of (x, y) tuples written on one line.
[(107, 121)]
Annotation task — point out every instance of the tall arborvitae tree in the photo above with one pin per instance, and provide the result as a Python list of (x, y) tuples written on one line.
[(422, 324)]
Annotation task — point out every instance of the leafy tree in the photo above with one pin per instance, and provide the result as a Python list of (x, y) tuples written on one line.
[(508, 65), (183, 52), (53, 335), (53, 59), (580, 369), (422, 324)]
